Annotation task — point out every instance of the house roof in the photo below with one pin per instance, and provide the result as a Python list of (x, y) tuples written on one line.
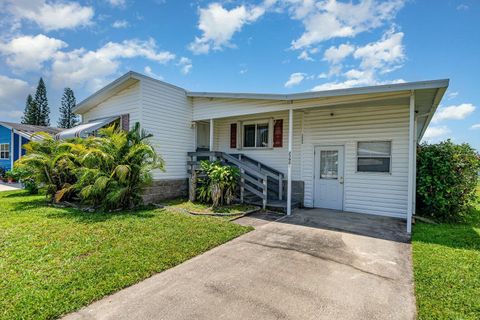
[(428, 95), (28, 130)]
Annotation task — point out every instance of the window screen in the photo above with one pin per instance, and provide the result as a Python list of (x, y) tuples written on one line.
[(256, 135), (374, 156)]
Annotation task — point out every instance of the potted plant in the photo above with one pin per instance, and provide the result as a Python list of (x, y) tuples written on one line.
[(2, 174)]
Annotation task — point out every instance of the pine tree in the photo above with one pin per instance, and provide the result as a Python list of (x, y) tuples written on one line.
[(67, 118), (30, 115), (42, 103)]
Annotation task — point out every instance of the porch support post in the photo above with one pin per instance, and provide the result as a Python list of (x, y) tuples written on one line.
[(289, 171), (212, 158), (411, 160)]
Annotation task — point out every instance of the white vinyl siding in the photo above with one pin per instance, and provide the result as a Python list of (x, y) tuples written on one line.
[(167, 114), (365, 192), (125, 102), (276, 158)]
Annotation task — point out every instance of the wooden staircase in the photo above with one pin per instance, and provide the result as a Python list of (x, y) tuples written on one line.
[(259, 184)]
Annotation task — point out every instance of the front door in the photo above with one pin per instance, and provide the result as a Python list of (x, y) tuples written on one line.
[(329, 177)]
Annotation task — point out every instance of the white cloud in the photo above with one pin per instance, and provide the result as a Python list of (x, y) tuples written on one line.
[(10, 90), (355, 78), (185, 65), (452, 95), (92, 68), (329, 19), (295, 79), (148, 71), (433, 134), (305, 56), (117, 3), (337, 54), (475, 126), (387, 54), (29, 52), (218, 25), (49, 16), (455, 112), (374, 58), (119, 24), (462, 7)]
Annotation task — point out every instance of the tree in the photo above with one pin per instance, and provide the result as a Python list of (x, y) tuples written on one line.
[(30, 115), (42, 103), (67, 118)]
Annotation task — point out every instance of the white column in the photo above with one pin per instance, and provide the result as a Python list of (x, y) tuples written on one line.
[(211, 135), (411, 160), (289, 171)]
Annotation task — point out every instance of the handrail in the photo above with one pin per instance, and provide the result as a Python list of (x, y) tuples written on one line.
[(262, 165)]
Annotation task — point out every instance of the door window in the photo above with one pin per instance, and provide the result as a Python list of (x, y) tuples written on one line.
[(329, 164)]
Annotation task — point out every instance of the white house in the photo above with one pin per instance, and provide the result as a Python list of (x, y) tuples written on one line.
[(347, 149)]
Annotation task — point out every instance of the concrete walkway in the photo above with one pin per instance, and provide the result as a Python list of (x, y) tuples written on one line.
[(9, 186), (294, 268)]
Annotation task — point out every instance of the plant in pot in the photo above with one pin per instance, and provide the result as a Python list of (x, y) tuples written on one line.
[(2, 174)]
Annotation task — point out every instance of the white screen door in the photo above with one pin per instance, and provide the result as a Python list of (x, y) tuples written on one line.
[(329, 177)]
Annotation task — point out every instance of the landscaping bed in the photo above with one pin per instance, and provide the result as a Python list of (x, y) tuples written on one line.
[(229, 211), (446, 259), (56, 260)]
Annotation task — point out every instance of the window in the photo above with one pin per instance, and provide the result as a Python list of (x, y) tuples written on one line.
[(256, 135), (5, 151), (374, 156), (329, 164)]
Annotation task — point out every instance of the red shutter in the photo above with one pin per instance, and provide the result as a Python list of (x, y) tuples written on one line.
[(125, 122), (278, 134), (233, 135)]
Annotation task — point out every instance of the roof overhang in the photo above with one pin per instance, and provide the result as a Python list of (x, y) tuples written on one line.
[(428, 95)]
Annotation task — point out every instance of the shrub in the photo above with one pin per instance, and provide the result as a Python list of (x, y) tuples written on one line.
[(108, 171), (447, 176), (220, 183), (23, 175)]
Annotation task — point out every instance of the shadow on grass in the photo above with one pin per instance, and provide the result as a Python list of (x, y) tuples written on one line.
[(464, 235), (96, 217)]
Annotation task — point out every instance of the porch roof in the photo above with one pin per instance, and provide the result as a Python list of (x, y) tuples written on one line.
[(428, 94)]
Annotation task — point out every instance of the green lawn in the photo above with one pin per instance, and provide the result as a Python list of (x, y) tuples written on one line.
[(55, 260), (446, 261)]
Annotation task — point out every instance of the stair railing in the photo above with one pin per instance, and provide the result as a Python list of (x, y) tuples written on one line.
[(251, 178)]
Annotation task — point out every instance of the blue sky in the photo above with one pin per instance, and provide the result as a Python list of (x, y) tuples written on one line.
[(245, 46)]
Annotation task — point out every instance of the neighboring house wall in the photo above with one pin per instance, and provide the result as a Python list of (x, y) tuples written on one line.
[(5, 137)]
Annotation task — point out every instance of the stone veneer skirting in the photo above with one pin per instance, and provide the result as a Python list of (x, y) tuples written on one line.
[(165, 189)]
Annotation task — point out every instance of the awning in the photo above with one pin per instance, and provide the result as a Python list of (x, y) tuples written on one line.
[(86, 129)]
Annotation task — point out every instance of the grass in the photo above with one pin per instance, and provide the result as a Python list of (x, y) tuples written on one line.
[(446, 259), (207, 209), (56, 260)]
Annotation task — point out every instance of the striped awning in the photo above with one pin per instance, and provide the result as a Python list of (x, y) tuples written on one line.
[(86, 129)]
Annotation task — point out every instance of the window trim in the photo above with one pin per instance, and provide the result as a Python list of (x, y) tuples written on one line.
[(8, 150), (390, 157), (268, 121)]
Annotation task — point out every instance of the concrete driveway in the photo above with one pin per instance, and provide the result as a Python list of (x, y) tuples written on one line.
[(299, 267)]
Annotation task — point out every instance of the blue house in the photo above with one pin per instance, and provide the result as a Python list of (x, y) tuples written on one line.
[(13, 136)]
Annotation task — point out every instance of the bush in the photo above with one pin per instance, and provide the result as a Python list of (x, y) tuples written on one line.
[(220, 183), (108, 171), (447, 176), (23, 175)]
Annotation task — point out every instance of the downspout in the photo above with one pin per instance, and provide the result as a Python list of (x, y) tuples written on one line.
[(289, 171)]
